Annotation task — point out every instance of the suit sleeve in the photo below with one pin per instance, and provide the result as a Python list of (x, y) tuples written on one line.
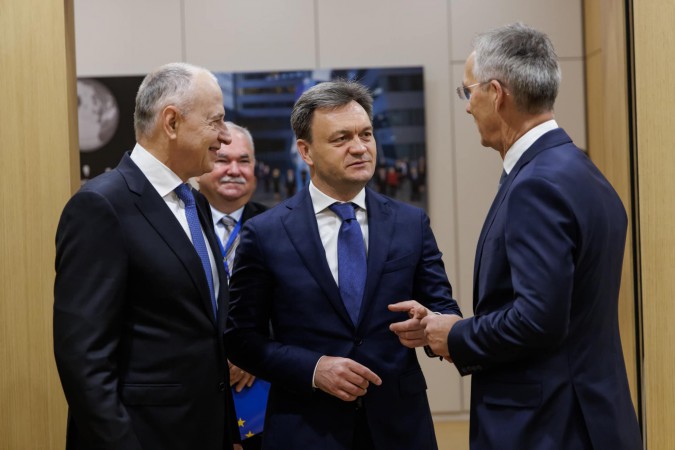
[(247, 335), (91, 271), (431, 286), (539, 244)]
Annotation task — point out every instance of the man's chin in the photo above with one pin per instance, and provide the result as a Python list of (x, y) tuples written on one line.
[(364, 173), (208, 166)]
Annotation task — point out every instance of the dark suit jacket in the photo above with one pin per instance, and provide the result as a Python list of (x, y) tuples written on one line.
[(252, 209), (282, 275), (139, 352), (543, 346)]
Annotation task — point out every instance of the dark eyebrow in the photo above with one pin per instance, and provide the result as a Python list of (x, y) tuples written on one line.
[(337, 133), (345, 131)]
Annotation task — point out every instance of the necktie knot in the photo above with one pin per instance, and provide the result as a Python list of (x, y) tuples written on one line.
[(185, 194), (229, 223), (345, 211)]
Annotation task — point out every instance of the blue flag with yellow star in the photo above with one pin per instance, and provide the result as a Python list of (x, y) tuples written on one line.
[(250, 405)]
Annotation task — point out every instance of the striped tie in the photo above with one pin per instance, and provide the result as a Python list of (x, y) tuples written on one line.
[(229, 224)]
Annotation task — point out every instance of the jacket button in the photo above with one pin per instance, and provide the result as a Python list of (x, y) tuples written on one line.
[(221, 386), (358, 341)]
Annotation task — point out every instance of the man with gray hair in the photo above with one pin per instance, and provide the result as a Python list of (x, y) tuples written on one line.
[(322, 268), (139, 300), (543, 347)]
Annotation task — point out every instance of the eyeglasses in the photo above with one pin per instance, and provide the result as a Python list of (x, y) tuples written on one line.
[(464, 92)]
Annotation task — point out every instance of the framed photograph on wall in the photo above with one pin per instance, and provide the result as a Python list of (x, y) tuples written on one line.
[(262, 102)]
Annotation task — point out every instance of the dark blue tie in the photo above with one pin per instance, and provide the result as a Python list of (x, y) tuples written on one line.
[(351, 259), (502, 178), (184, 193)]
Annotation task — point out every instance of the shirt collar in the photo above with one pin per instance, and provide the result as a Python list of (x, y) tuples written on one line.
[(524, 142), (321, 201), (163, 179), (236, 215)]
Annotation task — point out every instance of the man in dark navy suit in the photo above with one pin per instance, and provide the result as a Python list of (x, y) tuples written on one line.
[(543, 346), (340, 378), (139, 300)]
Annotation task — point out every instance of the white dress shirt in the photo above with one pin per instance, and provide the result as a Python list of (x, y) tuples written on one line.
[(519, 147), (329, 223), (164, 180)]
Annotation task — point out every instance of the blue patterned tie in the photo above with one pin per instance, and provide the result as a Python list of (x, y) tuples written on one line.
[(351, 259), (184, 193)]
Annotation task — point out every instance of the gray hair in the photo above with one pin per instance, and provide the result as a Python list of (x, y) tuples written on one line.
[(170, 84), (327, 95), (524, 60), (242, 130)]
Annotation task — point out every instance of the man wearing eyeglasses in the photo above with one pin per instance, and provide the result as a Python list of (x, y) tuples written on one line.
[(543, 346)]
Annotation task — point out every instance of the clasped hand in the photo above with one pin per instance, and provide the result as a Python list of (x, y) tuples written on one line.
[(423, 327), (239, 378)]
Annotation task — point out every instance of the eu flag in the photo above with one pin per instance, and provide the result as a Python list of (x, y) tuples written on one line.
[(250, 405)]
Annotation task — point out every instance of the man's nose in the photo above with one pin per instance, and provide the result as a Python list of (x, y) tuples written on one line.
[(233, 168), (358, 146), (224, 135)]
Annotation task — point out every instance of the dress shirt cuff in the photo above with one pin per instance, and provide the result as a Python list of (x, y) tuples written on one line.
[(314, 374)]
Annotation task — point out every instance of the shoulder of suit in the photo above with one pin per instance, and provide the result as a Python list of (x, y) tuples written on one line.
[(256, 208), (252, 209), (376, 197), (106, 182)]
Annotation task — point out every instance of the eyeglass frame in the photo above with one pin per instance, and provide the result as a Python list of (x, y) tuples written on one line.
[(464, 92)]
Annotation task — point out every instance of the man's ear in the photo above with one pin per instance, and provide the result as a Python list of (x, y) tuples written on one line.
[(500, 94), (170, 118), (304, 150)]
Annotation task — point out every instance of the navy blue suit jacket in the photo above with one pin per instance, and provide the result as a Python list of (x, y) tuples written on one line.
[(138, 349), (543, 346), (281, 275)]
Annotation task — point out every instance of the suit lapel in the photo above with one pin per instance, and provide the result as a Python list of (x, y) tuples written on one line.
[(155, 211), (380, 231), (223, 295), (301, 227), (553, 138), (487, 224)]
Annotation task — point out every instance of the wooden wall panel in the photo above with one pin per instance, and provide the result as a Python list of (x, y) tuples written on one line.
[(654, 41), (39, 155), (609, 141)]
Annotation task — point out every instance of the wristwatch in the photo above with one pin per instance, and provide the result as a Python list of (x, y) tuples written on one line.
[(430, 353)]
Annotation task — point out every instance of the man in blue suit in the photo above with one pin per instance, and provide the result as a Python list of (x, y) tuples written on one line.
[(543, 347), (340, 379), (139, 298)]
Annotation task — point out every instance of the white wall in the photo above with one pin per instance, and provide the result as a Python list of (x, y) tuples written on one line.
[(131, 37)]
